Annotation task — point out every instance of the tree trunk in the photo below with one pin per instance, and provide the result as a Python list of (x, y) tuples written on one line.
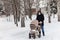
[(27, 7), (49, 14), (15, 12), (53, 15), (49, 19), (22, 13), (22, 21), (58, 4)]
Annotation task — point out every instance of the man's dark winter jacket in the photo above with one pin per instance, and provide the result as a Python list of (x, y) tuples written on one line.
[(40, 18)]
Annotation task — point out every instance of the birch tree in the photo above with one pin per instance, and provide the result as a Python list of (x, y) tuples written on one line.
[(22, 13)]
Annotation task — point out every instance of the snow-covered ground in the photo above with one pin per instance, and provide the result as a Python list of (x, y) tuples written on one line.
[(9, 31)]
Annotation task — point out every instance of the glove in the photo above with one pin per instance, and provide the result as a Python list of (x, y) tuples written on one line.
[(40, 22)]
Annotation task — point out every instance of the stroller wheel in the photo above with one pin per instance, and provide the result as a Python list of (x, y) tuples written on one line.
[(29, 36), (39, 34), (34, 36)]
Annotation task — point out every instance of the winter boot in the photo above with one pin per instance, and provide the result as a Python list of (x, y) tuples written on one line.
[(43, 34)]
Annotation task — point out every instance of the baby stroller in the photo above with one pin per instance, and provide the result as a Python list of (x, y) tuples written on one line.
[(35, 29)]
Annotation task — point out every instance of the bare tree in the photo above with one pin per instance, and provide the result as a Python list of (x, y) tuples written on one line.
[(58, 4), (16, 10), (28, 7), (7, 8), (30, 2), (22, 13), (19, 8), (37, 4), (49, 14), (25, 6)]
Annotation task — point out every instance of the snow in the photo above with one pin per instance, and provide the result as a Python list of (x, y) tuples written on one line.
[(9, 31)]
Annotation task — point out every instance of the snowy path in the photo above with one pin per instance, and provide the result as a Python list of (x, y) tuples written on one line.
[(8, 30)]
